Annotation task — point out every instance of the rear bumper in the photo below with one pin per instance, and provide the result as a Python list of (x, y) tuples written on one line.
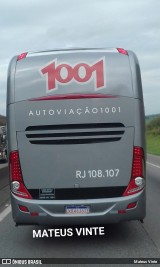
[(52, 212)]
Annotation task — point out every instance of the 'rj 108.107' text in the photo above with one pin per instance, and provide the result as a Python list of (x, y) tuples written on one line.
[(97, 173)]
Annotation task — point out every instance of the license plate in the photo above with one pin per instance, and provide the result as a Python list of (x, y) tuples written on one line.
[(77, 209)]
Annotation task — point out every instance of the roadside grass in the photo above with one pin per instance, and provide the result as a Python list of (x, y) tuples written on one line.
[(153, 144)]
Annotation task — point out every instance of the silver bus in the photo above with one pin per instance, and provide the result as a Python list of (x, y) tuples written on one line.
[(76, 137)]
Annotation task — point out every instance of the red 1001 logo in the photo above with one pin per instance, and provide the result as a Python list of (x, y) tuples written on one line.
[(80, 73)]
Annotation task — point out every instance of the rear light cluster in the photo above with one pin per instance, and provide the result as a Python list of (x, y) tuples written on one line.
[(17, 184), (137, 181)]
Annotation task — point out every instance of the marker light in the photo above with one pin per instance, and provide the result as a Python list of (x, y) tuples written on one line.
[(21, 56), (17, 184), (122, 51)]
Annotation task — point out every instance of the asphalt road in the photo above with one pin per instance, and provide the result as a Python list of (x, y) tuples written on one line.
[(128, 239), (2, 165)]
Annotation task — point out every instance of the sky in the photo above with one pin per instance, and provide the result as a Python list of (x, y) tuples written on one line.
[(39, 25)]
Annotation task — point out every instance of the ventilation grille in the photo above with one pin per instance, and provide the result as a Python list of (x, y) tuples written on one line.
[(75, 133)]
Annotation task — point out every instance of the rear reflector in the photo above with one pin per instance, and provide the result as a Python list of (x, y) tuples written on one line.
[(122, 51), (34, 214), (137, 181), (23, 208), (21, 56), (17, 184), (131, 205), (121, 211)]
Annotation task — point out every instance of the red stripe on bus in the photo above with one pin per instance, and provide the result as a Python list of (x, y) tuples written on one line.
[(72, 96)]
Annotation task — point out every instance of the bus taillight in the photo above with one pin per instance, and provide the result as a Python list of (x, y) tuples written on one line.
[(17, 184), (137, 181)]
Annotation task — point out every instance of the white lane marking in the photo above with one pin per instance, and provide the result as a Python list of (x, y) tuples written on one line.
[(4, 213), (153, 165)]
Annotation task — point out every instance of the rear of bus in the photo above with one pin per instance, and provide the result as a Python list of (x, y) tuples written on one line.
[(76, 137)]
